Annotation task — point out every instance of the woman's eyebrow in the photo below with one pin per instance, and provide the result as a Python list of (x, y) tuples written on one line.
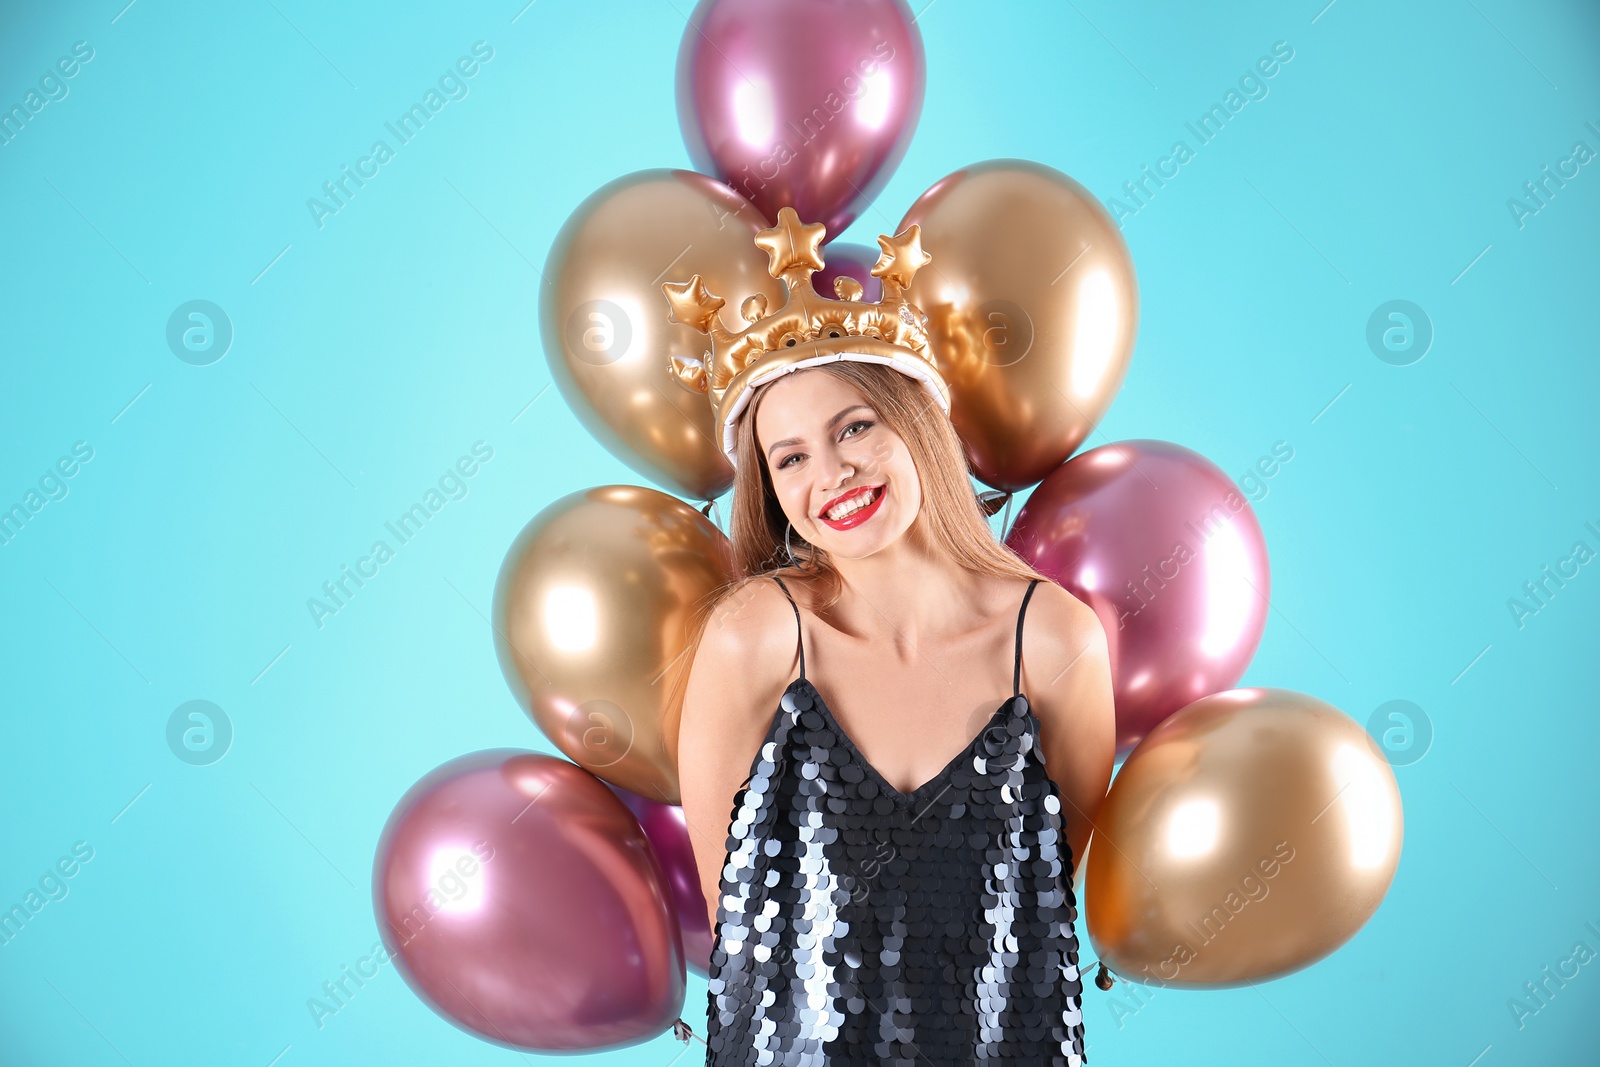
[(831, 424)]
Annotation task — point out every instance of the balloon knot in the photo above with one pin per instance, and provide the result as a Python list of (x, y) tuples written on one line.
[(682, 1031), (1103, 977), (992, 500)]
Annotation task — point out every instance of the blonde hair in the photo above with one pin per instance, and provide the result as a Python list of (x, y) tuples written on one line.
[(950, 519)]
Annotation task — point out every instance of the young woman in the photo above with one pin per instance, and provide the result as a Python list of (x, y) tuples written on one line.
[(885, 826)]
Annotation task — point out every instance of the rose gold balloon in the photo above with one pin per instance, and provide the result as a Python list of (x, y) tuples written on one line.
[(667, 831), (607, 337), (520, 900), (1250, 835), (1168, 552), (1032, 307), (808, 104), (592, 608)]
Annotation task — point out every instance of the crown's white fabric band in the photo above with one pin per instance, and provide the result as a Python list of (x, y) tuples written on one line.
[(907, 365)]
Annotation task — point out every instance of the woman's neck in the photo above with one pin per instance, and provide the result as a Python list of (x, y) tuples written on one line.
[(906, 597)]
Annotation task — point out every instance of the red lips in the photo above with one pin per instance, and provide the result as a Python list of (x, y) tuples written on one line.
[(855, 518)]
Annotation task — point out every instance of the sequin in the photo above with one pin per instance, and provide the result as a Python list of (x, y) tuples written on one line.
[(858, 925)]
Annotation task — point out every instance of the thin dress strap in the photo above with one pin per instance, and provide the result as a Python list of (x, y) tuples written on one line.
[(799, 637), (1016, 680)]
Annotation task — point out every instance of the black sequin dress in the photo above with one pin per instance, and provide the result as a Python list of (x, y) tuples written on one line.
[(858, 925)]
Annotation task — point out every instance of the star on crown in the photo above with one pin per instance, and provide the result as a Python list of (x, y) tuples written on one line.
[(808, 325)]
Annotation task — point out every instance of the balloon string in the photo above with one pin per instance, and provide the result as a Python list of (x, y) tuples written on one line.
[(710, 510)]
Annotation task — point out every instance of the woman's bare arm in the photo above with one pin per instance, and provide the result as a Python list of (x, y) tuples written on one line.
[(1066, 674), (745, 661)]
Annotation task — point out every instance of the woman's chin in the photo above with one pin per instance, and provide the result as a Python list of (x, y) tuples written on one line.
[(873, 536)]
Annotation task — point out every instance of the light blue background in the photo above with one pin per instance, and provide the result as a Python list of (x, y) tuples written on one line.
[(374, 351)]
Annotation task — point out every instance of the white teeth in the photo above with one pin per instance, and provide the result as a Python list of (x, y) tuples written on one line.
[(852, 505)]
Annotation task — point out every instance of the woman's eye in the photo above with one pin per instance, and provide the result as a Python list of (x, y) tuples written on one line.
[(853, 425), (785, 462)]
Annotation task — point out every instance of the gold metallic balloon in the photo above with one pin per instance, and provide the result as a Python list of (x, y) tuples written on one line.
[(606, 333), (1032, 307), (593, 607), (1249, 835)]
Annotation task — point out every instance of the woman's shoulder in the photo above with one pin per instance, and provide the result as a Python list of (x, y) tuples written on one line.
[(746, 655), (1058, 612), (754, 621), (1059, 630)]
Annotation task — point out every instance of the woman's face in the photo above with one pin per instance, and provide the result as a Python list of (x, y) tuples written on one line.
[(826, 451)]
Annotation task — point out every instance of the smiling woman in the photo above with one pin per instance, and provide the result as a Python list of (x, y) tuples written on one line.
[(870, 827), (888, 870)]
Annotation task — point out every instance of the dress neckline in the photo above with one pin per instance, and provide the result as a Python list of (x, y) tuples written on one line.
[(866, 764)]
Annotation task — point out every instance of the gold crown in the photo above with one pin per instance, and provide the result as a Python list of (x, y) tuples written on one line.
[(809, 328)]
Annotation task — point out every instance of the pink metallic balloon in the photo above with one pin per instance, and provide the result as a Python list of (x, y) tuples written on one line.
[(520, 900), (850, 261), (802, 103), (668, 832), (1164, 547)]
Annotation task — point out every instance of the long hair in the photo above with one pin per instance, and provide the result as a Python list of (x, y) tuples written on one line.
[(950, 520)]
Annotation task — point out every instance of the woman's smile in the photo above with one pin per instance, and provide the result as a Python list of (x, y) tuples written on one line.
[(873, 497)]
